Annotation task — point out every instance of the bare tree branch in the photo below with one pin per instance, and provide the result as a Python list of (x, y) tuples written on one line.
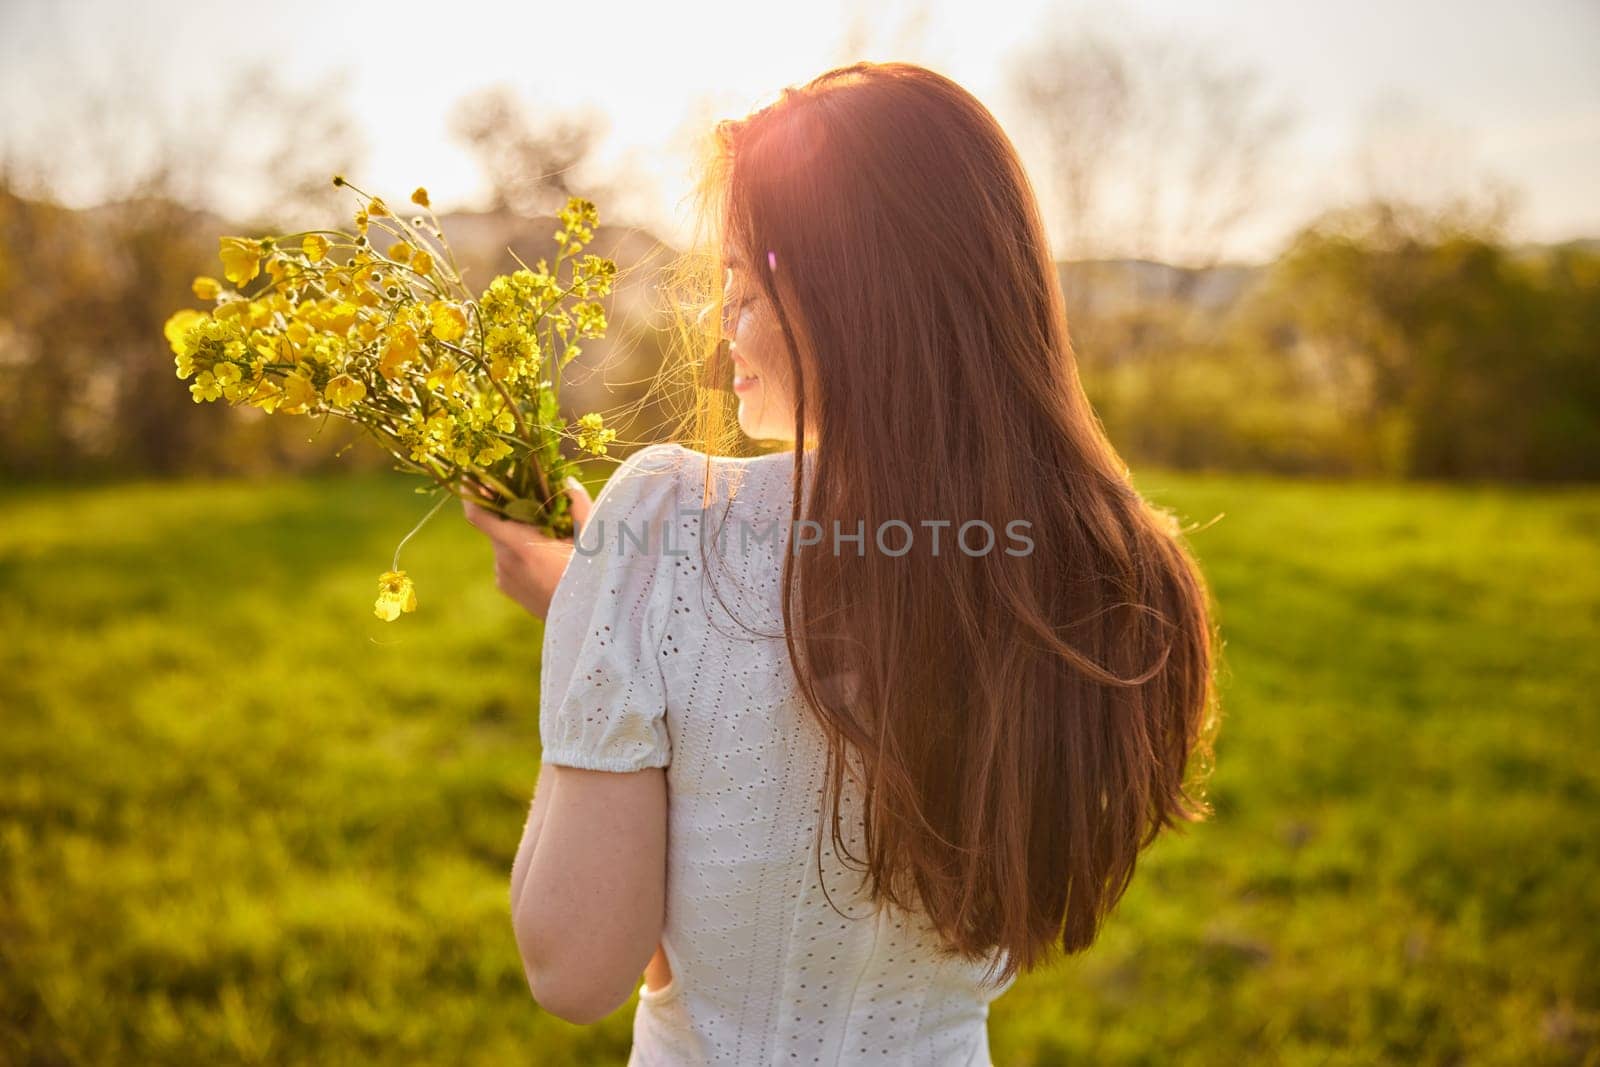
[(531, 163)]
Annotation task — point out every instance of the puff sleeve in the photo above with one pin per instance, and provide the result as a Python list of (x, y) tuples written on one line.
[(602, 693)]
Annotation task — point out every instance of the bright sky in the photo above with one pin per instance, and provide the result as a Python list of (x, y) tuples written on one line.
[(1457, 90)]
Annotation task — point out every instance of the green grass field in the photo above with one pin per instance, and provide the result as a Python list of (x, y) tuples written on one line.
[(242, 820)]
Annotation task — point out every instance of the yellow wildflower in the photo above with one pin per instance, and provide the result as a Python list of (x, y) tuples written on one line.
[(299, 393), (508, 348), (421, 448), (578, 219), (591, 319), (395, 595), (268, 395), (339, 318), (449, 321), (401, 251), (206, 288), (420, 197), (315, 247), (177, 326), (399, 349), (345, 390), (593, 435), (442, 375), (422, 262), (377, 208), (438, 424), (491, 452), (205, 387), (233, 392), (241, 259)]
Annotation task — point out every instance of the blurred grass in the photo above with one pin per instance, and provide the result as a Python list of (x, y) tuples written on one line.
[(242, 820)]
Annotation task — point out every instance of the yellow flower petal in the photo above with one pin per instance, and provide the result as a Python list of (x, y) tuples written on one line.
[(395, 595), (177, 325), (205, 387), (206, 288), (449, 321), (345, 390), (299, 394), (241, 259), (315, 247)]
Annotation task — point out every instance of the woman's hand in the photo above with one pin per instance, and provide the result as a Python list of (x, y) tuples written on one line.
[(528, 563)]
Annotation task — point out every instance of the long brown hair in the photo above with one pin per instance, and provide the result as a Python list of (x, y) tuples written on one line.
[(1022, 723)]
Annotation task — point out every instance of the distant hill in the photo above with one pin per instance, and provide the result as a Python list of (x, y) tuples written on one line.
[(1124, 284), (1537, 249), (484, 242)]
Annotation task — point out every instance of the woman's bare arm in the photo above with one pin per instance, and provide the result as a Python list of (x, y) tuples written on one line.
[(589, 887), (530, 834)]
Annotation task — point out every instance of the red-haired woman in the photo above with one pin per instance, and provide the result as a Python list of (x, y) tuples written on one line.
[(839, 739)]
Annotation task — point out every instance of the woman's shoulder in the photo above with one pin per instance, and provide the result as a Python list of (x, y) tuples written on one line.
[(665, 455), (662, 455), (647, 480), (670, 470)]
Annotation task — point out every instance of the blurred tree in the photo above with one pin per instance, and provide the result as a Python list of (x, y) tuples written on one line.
[(1154, 148), (86, 379), (1463, 358), (530, 165), (1154, 157)]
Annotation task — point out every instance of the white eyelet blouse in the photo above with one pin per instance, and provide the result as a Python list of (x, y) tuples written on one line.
[(644, 666)]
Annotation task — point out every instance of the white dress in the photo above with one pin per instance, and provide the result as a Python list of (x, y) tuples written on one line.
[(643, 666)]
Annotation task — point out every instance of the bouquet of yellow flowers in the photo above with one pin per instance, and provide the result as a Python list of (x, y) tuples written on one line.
[(457, 387)]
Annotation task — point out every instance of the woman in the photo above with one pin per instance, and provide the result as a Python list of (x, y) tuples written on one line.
[(832, 790)]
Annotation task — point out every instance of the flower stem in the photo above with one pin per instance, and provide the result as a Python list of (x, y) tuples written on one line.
[(442, 498)]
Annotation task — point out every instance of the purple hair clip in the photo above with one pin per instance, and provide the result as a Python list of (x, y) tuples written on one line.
[(772, 260)]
